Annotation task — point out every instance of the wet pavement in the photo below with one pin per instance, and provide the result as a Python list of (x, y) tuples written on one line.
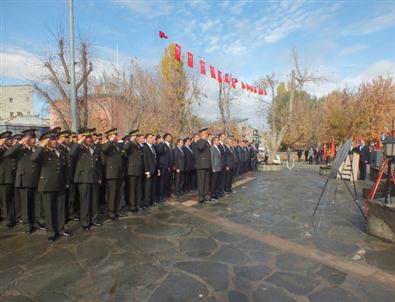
[(259, 244)]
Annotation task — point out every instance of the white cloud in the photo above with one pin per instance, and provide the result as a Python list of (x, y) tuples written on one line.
[(19, 64), (148, 9), (372, 25), (352, 49)]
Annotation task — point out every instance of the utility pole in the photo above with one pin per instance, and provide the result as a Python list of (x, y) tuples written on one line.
[(75, 125)]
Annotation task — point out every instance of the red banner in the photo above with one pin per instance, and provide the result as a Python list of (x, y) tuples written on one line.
[(212, 71), (190, 59), (178, 52), (219, 76), (226, 78), (202, 67)]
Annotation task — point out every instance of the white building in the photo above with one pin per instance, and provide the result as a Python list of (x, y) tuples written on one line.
[(16, 100)]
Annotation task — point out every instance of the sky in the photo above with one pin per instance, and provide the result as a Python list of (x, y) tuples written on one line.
[(346, 42)]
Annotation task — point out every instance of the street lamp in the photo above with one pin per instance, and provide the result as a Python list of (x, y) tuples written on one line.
[(389, 152)]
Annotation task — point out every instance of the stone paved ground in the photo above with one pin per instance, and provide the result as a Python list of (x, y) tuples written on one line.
[(241, 249)]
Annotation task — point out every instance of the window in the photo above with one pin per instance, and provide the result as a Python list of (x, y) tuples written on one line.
[(28, 113), (19, 113), (10, 100), (12, 114)]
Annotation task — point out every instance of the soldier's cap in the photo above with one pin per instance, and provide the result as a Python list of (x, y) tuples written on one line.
[(6, 134), (126, 137), (57, 129), (93, 130), (203, 129), (85, 131), (111, 131), (73, 134), (98, 135), (18, 136), (135, 131), (65, 133), (29, 132), (51, 134)]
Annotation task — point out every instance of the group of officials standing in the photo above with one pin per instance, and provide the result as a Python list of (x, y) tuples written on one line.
[(67, 176)]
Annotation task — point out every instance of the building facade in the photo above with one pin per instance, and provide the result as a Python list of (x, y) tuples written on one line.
[(16, 100)]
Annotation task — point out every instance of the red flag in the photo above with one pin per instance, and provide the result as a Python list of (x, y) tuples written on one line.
[(226, 78), (264, 92), (243, 85), (212, 71), (178, 52), (234, 81), (162, 35), (190, 59), (325, 152), (219, 76), (260, 91), (202, 67), (255, 90)]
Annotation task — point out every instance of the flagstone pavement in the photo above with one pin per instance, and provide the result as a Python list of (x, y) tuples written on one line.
[(258, 244)]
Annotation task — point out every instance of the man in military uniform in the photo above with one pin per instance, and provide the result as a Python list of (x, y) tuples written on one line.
[(203, 165), (7, 178), (135, 170), (26, 180), (88, 177), (71, 189), (17, 199), (221, 174), (52, 183), (113, 172)]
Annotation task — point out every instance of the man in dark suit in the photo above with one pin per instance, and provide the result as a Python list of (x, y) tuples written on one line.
[(217, 168), (364, 157), (135, 170), (113, 172), (190, 169), (230, 161), (26, 180), (179, 167), (151, 170), (221, 175), (237, 149), (52, 183), (7, 179), (88, 177), (203, 165), (166, 163), (194, 150)]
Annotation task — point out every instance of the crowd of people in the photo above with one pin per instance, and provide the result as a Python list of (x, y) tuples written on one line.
[(66, 176)]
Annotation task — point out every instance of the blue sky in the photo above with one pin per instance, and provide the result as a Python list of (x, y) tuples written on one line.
[(346, 41)]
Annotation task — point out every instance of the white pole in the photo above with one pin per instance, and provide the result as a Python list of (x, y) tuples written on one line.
[(73, 98)]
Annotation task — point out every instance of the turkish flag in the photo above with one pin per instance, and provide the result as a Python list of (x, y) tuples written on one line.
[(212, 71), (264, 92), (260, 91), (234, 81), (333, 148), (243, 85), (178, 52), (202, 67), (255, 90), (219, 76), (190, 59), (226, 78), (162, 35)]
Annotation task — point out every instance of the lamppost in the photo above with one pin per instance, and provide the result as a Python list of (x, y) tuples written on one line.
[(73, 98), (389, 152)]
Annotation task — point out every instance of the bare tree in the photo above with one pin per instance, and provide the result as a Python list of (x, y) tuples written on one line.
[(280, 121), (54, 86), (224, 101)]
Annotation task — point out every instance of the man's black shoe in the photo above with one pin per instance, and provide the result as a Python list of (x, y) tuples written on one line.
[(75, 219), (39, 226), (97, 224), (120, 214), (64, 233), (86, 228), (51, 239)]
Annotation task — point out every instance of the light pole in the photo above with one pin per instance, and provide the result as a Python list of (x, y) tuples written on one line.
[(73, 98)]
